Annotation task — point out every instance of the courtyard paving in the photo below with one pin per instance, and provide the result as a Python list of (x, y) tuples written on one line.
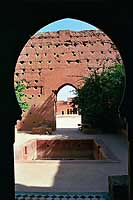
[(72, 175)]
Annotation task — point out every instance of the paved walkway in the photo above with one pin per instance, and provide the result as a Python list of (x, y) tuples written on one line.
[(72, 176)]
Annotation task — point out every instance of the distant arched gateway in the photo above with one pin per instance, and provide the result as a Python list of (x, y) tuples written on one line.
[(52, 59)]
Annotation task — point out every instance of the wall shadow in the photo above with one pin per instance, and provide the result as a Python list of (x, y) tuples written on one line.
[(38, 115)]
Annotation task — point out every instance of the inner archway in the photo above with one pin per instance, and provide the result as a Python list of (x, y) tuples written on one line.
[(67, 116)]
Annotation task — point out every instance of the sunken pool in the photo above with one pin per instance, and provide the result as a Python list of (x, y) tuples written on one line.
[(66, 149)]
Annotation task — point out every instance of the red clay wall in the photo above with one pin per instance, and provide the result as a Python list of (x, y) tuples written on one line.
[(64, 106), (53, 59)]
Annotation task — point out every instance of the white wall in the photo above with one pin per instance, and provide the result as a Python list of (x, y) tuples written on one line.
[(68, 121)]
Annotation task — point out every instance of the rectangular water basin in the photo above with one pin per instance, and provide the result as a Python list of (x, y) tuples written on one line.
[(66, 149)]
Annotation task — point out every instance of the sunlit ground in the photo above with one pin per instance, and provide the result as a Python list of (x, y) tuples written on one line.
[(70, 176), (65, 121)]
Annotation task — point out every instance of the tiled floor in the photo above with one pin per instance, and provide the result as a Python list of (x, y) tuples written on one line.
[(62, 196)]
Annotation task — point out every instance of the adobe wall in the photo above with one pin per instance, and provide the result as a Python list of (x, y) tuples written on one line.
[(65, 107), (50, 60)]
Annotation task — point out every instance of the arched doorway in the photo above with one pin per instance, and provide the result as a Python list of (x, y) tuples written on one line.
[(67, 116)]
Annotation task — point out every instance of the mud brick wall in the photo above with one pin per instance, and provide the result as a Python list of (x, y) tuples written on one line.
[(63, 106), (51, 60)]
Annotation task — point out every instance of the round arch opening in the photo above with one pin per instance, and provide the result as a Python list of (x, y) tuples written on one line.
[(47, 55), (67, 114)]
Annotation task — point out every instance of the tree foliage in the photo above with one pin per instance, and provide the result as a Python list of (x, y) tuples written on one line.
[(100, 97), (19, 91)]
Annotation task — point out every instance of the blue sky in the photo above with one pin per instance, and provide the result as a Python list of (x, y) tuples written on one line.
[(65, 93), (67, 24)]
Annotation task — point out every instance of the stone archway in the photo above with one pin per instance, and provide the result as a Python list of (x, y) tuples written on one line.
[(51, 59), (18, 24), (67, 116)]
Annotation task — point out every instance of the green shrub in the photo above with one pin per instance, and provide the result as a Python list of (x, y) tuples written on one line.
[(99, 99), (19, 91)]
